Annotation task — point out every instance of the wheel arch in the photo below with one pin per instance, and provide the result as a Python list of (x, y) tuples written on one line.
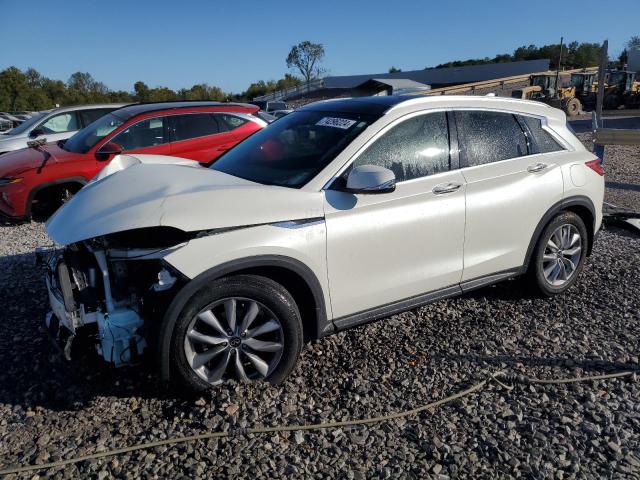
[(292, 274), (55, 183), (581, 206)]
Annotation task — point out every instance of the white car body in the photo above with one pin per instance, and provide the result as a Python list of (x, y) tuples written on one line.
[(19, 137), (363, 256)]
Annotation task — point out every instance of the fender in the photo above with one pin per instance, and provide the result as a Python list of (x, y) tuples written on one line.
[(81, 180), (579, 200), (323, 325)]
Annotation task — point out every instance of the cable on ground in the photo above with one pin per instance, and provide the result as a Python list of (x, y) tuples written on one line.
[(493, 378)]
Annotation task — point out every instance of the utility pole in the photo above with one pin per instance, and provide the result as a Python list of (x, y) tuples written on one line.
[(604, 57), (559, 64), (598, 149)]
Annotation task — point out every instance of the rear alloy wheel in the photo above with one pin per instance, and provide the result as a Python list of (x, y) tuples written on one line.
[(243, 328), (559, 254), (562, 255)]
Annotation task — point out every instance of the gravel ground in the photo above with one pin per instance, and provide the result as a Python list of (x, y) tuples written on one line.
[(51, 410)]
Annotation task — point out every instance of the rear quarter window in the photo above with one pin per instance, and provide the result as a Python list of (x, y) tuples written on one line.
[(542, 140), (230, 122)]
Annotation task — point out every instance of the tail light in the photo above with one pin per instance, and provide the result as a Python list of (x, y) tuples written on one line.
[(596, 166)]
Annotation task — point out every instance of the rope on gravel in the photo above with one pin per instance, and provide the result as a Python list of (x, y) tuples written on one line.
[(493, 378)]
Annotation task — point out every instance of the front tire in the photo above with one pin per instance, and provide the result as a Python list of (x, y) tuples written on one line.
[(245, 328), (559, 255)]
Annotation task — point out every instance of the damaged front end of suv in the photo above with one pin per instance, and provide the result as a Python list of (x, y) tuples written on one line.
[(141, 233), (106, 286)]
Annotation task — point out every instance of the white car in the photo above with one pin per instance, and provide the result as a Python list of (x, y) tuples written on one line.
[(337, 214), (53, 125)]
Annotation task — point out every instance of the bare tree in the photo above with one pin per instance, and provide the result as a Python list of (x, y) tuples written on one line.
[(306, 57)]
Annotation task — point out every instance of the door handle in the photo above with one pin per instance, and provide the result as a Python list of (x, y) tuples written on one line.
[(446, 188), (536, 167)]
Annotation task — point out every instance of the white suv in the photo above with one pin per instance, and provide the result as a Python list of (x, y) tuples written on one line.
[(337, 214)]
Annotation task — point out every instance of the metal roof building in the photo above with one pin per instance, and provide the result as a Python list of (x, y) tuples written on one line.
[(403, 82), (440, 77)]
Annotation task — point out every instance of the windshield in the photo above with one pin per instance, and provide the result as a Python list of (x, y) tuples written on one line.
[(576, 81), (86, 138), (293, 150), (27, 124), (539, 81)]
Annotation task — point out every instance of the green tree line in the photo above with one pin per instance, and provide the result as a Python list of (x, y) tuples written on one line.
[(30, 90), (574, 55)]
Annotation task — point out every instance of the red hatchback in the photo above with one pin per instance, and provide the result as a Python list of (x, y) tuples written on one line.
[(34, 181)]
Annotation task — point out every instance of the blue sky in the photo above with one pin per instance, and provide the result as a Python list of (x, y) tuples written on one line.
[(233, 43)]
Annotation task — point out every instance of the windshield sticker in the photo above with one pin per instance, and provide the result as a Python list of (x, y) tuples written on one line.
[(343, 123)]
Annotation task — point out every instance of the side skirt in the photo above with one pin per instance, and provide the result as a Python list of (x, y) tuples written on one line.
[(389, 309)]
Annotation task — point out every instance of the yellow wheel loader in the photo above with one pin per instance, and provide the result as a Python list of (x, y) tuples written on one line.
[(544, 88)]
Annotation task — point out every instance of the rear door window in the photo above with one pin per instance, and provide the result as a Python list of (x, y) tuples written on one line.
[(193, 125), (415, 148), (487, 137), (541, 140), (89, 116), (146, 133)]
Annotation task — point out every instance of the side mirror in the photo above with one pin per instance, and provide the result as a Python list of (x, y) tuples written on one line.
[(36, 132), (107, 150), (371, 179)]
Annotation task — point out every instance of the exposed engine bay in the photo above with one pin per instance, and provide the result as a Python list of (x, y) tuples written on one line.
[(113, 292)]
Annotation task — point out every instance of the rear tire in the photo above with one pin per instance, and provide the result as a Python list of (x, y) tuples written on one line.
[(211, 343), (559, 255), (611, 102)]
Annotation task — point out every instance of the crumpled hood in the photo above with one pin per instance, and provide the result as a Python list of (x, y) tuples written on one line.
[(19, 161), (187, 198), (123, 161)]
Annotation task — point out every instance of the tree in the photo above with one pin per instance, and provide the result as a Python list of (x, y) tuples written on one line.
[(574, 55), (634, 42), (395, 70), (141, 92), (306, 57), (13, 87), (55, 90)]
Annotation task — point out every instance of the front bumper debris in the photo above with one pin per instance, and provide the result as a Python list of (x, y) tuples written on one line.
[(117, 327)]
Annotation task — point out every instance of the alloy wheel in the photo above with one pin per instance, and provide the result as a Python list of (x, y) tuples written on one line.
[(562, 255), (234, 338)]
